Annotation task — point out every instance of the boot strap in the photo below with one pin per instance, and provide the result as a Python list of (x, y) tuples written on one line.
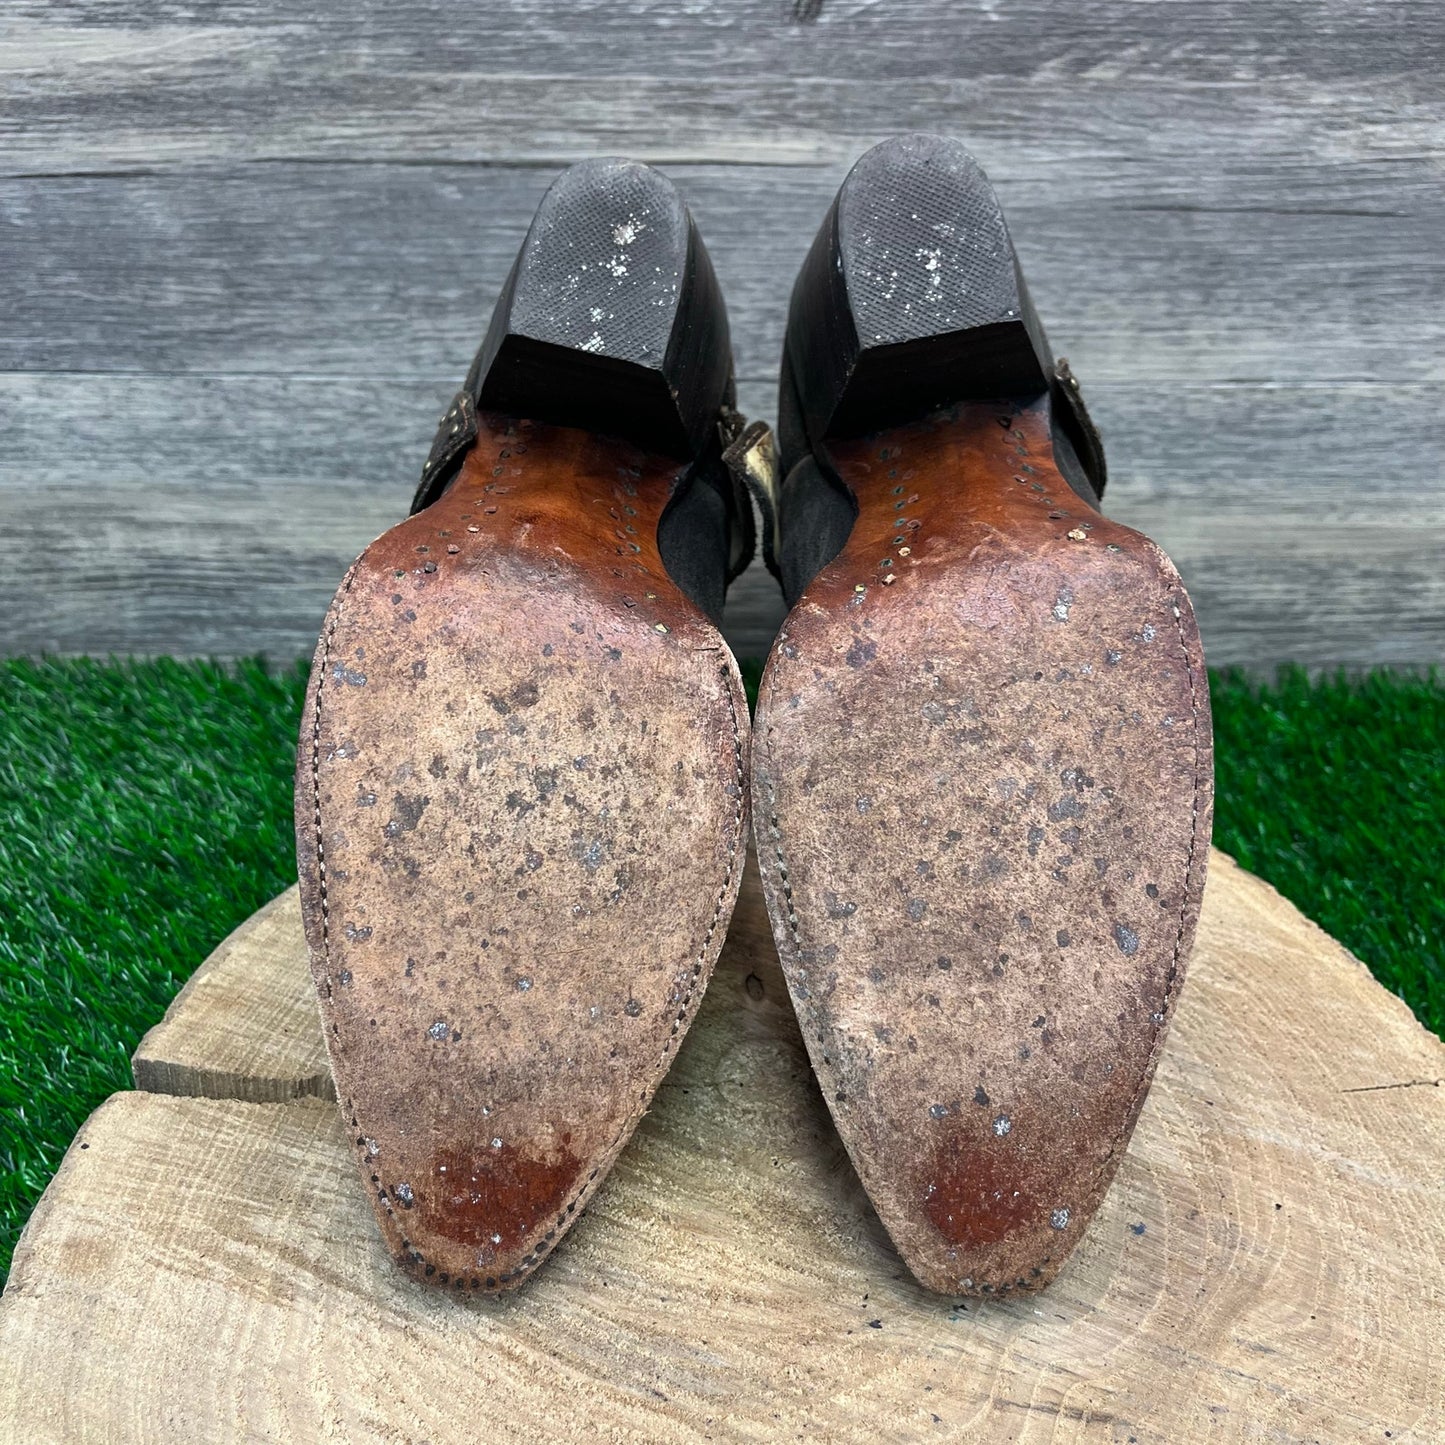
[(751, 456), (455, 436), (1066, 394), (748, 454)]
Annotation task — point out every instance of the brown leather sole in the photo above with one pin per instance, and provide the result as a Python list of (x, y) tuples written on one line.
[(982, 783), (521, 806)]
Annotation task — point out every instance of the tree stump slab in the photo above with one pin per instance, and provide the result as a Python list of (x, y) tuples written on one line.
[(1267, 1265)]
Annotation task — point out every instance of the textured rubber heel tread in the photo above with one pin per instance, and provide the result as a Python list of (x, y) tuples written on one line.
[(911, 297), (611, 320), (911, 300)]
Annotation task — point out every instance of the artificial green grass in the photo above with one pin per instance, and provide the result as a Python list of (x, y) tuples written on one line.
[(1334, 791), (147, 812)]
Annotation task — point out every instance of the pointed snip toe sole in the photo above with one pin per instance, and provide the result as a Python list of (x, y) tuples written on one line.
[(521, 823), (981, 773)]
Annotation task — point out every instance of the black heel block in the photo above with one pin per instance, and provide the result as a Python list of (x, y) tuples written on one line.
[(611, 320), (911, 297)]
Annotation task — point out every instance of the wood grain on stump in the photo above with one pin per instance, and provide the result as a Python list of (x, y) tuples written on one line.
[(1266, 1266)]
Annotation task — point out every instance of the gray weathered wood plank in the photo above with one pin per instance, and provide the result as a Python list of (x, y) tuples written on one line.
[(1206, 41), (210, 532), (390, 270), (248, 249), (1119, 135)]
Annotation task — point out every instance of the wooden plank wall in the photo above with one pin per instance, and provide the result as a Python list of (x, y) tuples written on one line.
[(247, 249)]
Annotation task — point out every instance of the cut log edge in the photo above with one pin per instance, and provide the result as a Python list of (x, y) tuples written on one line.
[(1263, 898), (17, 1283), (164, 1062)]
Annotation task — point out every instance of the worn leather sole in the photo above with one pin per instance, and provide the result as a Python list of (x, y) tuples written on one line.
[(521, 810), (982, 773), (982, 792)]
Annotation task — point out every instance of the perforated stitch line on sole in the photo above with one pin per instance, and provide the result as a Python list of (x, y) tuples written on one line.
[(530, 1262), (316, 760), (1173, 979)]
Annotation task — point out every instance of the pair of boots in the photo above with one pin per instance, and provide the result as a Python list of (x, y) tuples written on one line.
[(979, 776)]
